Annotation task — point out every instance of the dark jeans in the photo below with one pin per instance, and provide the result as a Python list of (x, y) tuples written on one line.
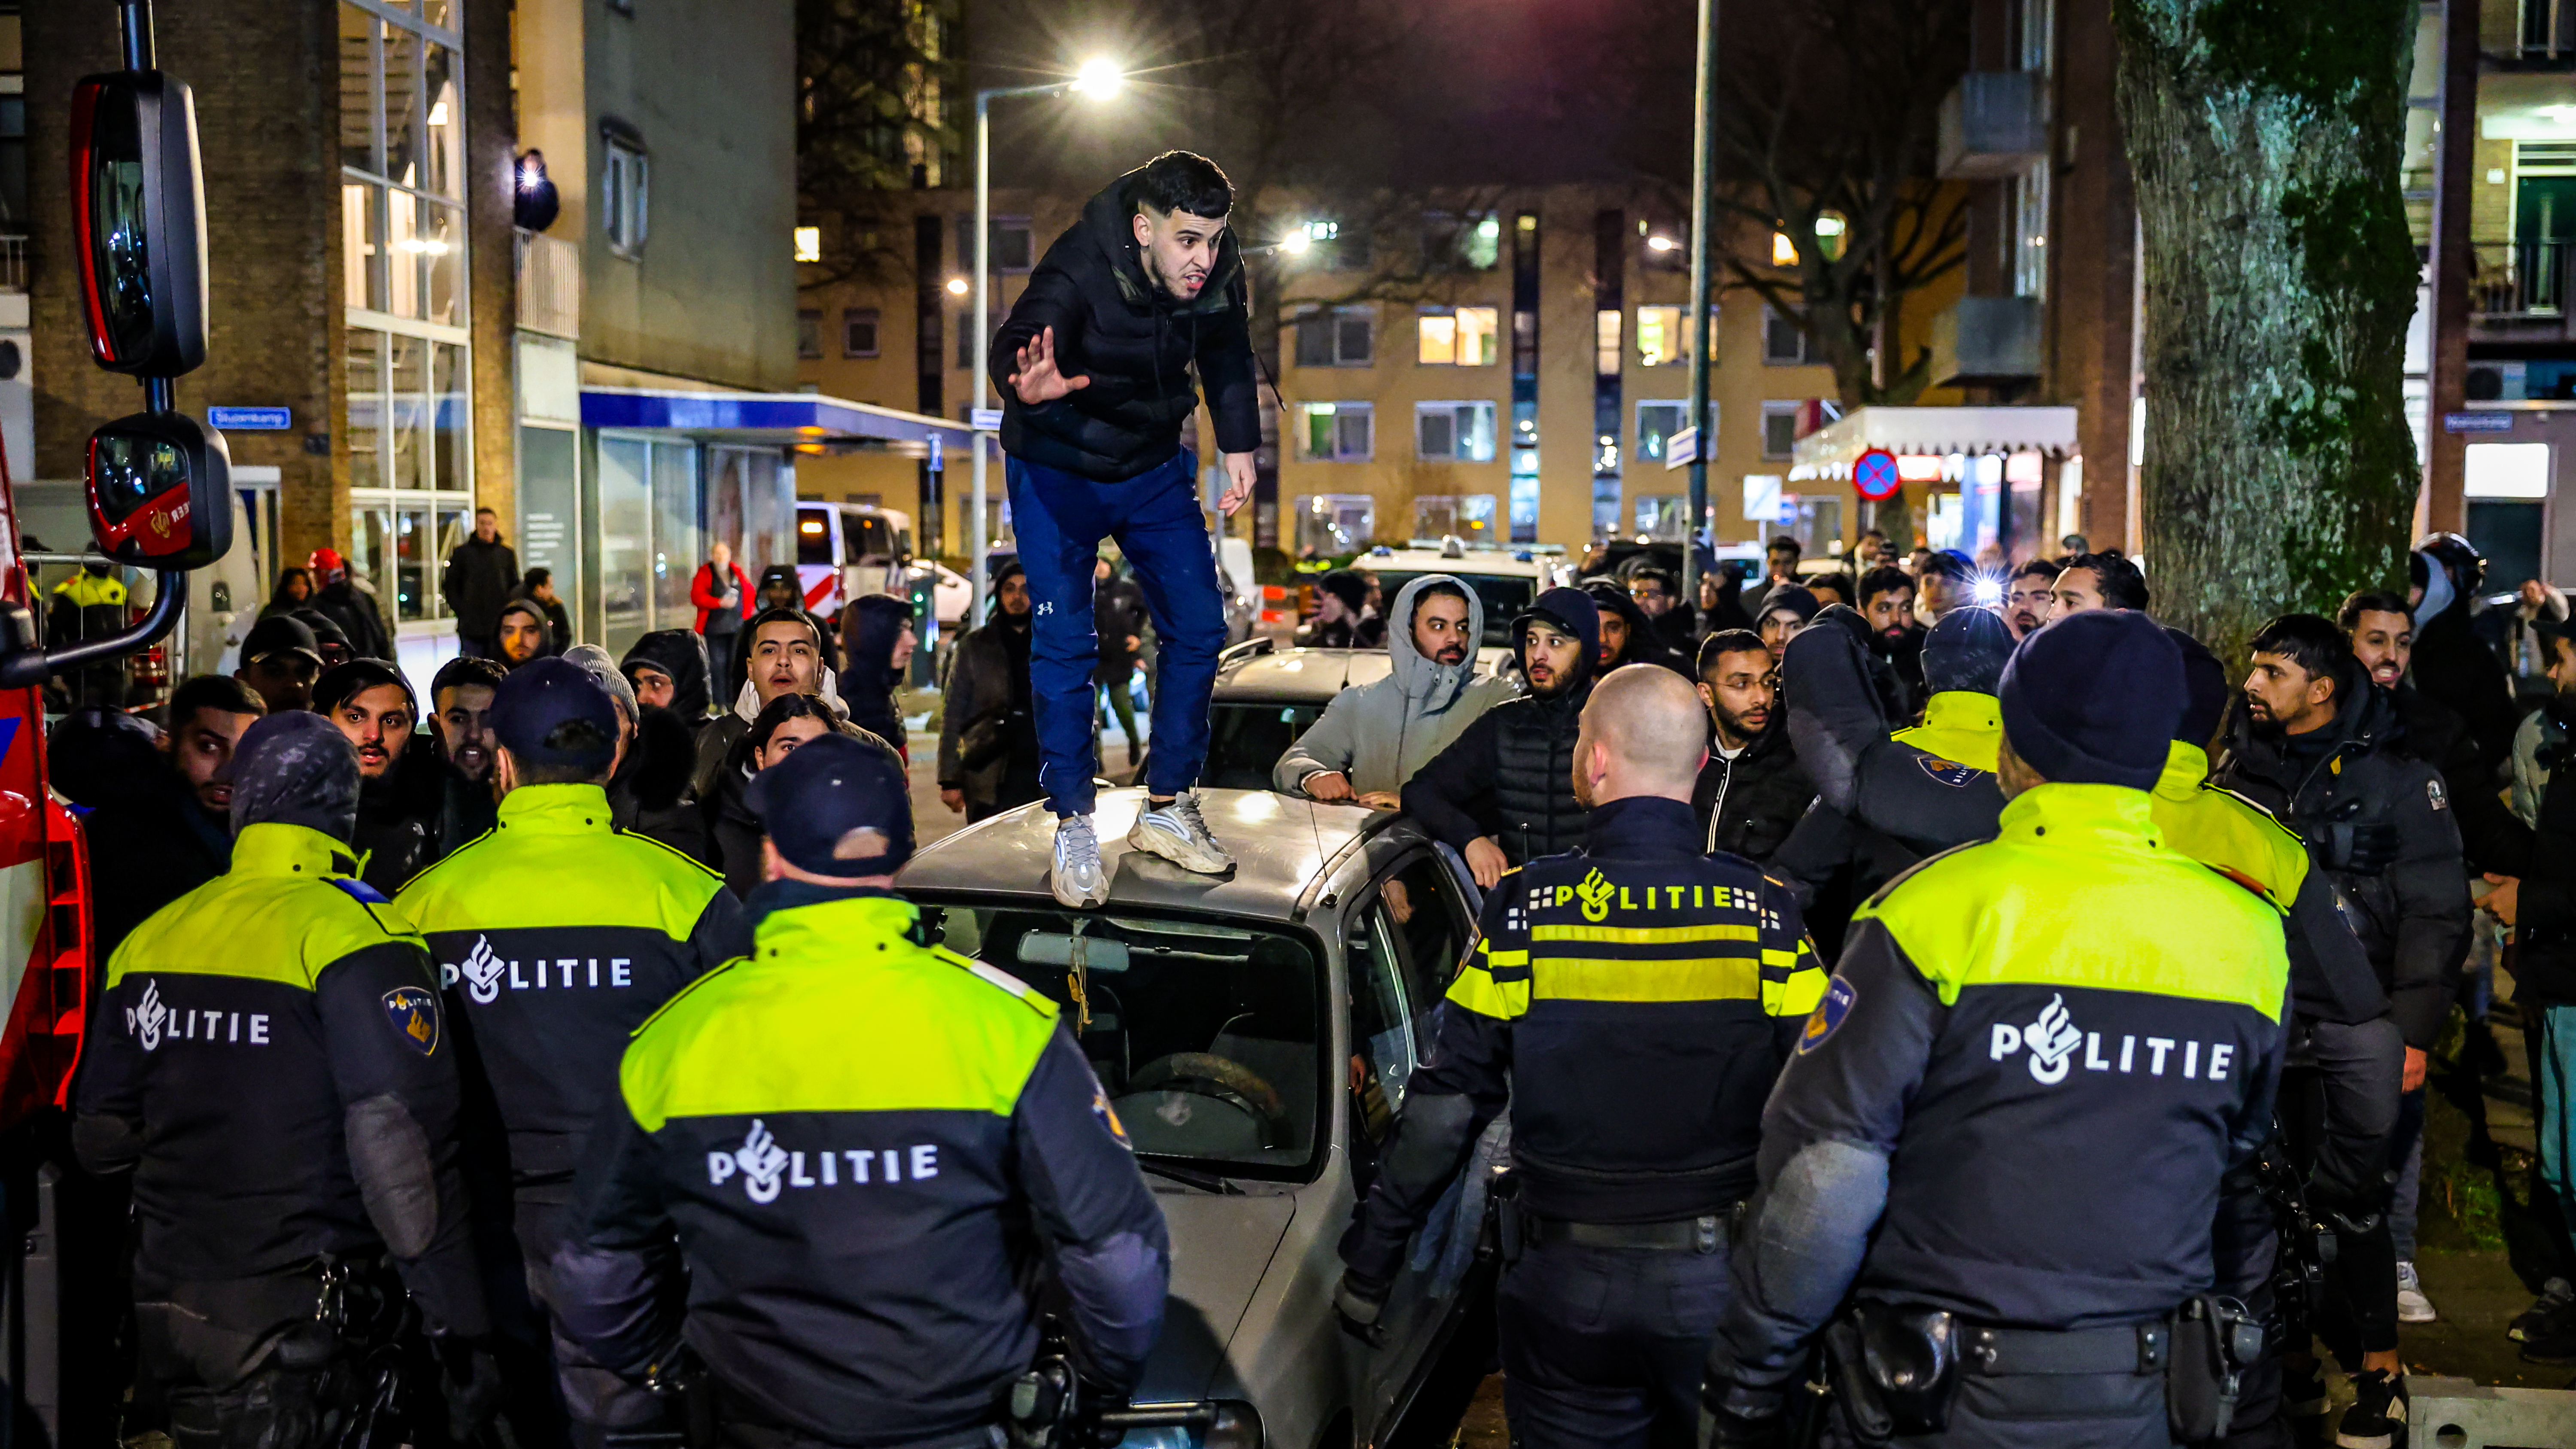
[(1604, 1346), (1061, 519), (720, 662)]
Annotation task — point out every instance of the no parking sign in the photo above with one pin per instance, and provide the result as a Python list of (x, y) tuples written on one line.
[(1874, 475)]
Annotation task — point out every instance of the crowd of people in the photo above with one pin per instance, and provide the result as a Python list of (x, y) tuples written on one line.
[(2390, 766)]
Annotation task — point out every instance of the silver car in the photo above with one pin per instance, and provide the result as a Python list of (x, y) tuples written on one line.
[(1255, 1033)]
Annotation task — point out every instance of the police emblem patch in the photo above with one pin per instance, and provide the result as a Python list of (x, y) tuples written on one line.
[(1829, 1014), (1948, 772), (413, 1011), (1108, 1116)]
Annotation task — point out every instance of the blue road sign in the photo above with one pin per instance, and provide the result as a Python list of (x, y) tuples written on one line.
[(252, 420)]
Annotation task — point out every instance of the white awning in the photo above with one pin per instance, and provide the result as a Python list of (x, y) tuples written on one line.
[(1941, 433)]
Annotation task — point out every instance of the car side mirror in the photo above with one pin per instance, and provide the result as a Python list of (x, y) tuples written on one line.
[(139, 222), (158, 486)]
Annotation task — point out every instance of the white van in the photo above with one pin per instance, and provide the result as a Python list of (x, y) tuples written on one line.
[(844, 550)]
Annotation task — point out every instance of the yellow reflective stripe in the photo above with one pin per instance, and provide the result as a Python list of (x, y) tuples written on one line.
[(1503, 958), (1773, 957), (1478, 991), (1578, 978), (1798, 995), (1643, 935)]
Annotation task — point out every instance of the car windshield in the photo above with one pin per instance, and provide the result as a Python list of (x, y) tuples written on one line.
[(1505, 596), (1205, 1034), (1246, 738)]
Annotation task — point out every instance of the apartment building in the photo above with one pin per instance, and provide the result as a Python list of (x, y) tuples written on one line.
[(1505, 367), (531, 256)]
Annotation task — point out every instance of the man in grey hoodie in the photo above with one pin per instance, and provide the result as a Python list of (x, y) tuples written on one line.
[(1374, 736)]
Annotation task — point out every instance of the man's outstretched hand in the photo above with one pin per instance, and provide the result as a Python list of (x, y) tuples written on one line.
[(1039, 380), (1238, 482)]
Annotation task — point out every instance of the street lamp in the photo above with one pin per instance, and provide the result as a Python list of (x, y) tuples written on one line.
[(1099, 79)]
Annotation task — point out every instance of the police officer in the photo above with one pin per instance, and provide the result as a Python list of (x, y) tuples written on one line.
[(1886, 796), (556, 935), (861, 1142), (1634, 969), (2012, 1111), (269, 1059)]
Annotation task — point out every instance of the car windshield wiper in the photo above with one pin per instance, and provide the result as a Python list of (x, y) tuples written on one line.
[(1203, 1181)]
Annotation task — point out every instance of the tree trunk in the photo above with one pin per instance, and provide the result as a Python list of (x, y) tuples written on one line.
[(2280, 473)]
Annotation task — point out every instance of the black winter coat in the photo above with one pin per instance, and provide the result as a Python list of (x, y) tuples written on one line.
[(2412, 917), (1145, 351), (1510, 775), (145, 851), (480, 578), (2453, 665), (2544, 966), (1748, 805)]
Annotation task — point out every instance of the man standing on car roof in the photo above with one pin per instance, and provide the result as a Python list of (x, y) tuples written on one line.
[(1633, 969), (1135, 307), (545, 985), (864, 1145)]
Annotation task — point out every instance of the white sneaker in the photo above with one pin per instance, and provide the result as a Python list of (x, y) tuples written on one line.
[(1077, 877), (2412, 1305), (1177, 834)]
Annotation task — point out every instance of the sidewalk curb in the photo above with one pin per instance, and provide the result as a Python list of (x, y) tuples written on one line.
[(2458, 1414)]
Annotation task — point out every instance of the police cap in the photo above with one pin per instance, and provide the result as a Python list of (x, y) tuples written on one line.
[(838, 807), (552, 712)]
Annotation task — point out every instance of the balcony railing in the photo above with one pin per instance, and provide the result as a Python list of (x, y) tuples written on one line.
[(2520, 281), (549, 285), (13, 264)]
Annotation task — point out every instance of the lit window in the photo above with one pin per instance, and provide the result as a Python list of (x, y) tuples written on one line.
[(1459, 336), (1663, 335), (1336, 432), (1454, 432), (809, 244), (1784, 253), (1605, 342)]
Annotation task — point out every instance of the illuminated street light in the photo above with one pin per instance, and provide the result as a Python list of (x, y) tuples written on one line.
[(809, 244), (957, 286), (1098, 79), (1662, 244), (1296, 241)]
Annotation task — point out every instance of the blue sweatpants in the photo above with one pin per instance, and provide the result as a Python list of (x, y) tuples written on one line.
[(1060, 519)]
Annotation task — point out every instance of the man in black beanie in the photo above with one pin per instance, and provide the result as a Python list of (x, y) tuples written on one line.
[(2007, 1124), (865, 1143), (271, 1061)]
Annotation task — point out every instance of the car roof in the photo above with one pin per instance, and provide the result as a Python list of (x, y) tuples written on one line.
[(1474, 561), (1314, 676), (1280, 844)]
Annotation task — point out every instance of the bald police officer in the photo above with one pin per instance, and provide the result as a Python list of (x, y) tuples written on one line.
[(1633, 999), (270, 1061), (854, 1136), (557, 934), (2004, 1130)]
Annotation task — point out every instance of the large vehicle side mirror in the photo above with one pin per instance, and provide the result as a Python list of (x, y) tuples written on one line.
[(139, 222), (159, 492)]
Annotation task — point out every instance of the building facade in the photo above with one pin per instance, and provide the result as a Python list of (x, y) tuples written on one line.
[(463, 244)]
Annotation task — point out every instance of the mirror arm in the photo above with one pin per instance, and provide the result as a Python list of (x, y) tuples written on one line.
[(35, 666)]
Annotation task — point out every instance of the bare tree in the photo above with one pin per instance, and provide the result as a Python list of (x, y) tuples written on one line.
[(880, 90), (2280, 277)]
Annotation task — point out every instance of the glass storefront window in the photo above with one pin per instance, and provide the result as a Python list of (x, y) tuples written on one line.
[(450, 396), (675, 533), (625, 539), (407, 411), (371, 543), (366, 407), (412, 589)]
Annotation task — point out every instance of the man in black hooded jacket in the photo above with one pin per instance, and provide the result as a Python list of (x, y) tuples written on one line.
[(1135, 309), (1503, 792), (670, 670), (879, 632), (1627, 635)]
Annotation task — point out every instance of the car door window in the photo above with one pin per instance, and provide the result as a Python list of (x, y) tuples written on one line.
[(1423, 910), (1382, 1043)]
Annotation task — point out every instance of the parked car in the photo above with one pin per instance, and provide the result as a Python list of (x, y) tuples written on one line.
[(1267, 696), (1255, 1033)]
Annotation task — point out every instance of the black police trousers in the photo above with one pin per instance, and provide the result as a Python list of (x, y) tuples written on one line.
[(1604, 1346), (245, 1364), (597, 1406)]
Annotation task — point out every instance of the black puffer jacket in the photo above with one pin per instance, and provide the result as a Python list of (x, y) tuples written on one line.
[(1511, 774), (1748, 805), (2412, 915), (1137, 343)]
